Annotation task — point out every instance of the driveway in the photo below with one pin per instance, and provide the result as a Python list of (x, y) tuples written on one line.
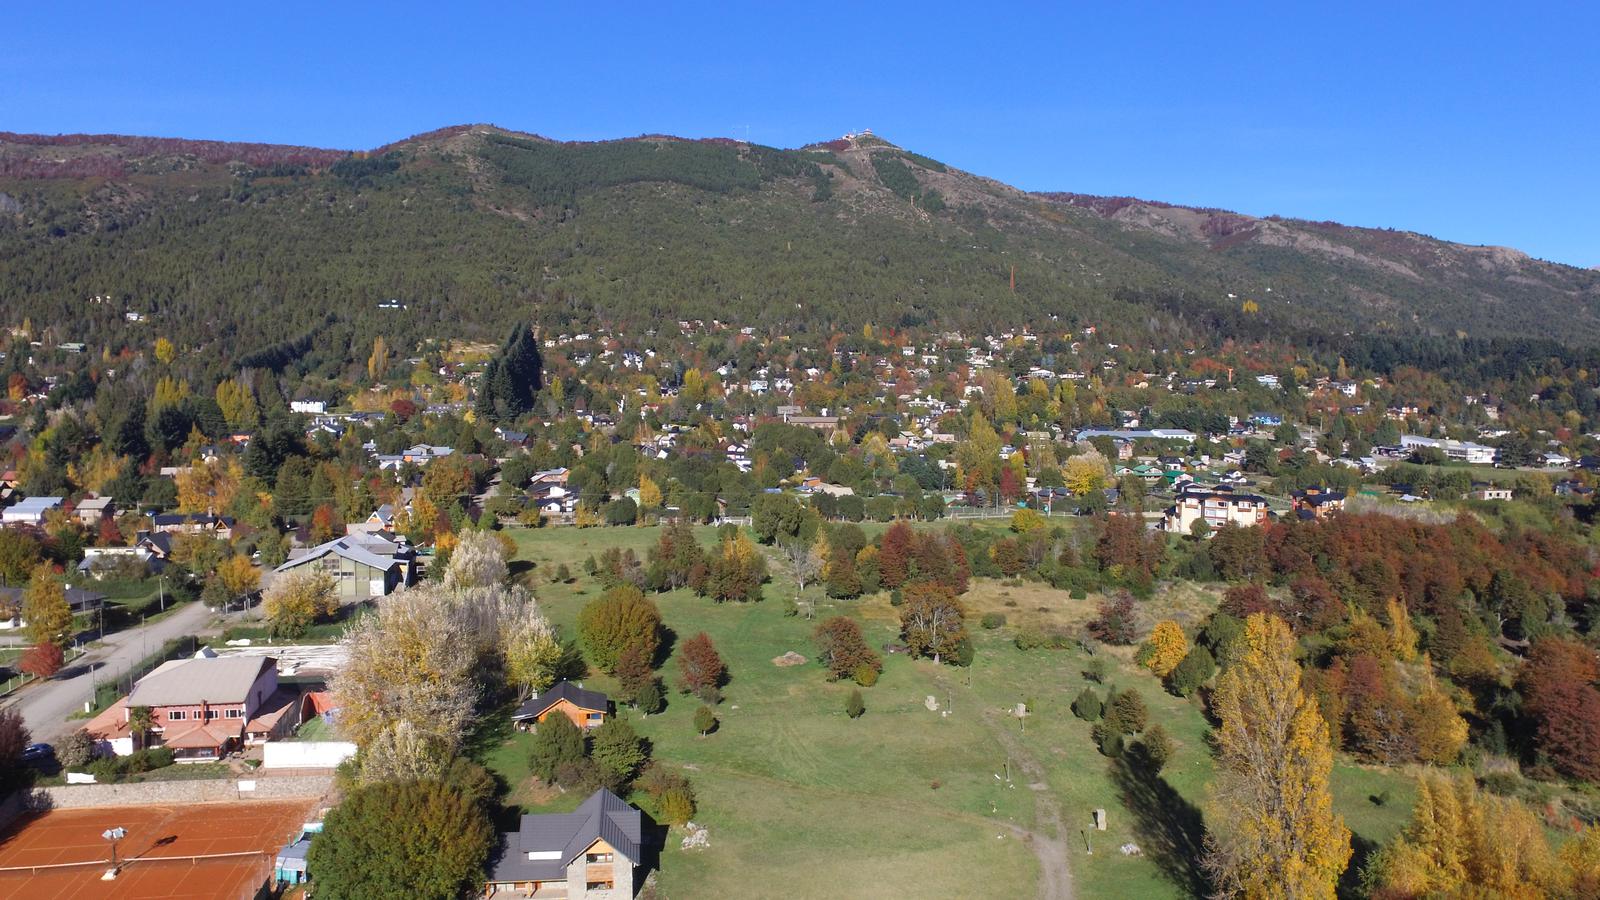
[(45, 705)]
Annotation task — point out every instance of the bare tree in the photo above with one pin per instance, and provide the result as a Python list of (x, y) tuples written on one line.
[(805, 564)]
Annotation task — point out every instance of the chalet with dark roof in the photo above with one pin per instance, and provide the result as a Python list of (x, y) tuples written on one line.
[(586, 709), (588, 854)]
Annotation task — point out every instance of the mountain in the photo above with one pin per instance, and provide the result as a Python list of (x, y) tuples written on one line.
[(253, 252)]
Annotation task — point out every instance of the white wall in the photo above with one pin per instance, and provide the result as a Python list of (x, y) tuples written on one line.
[(305, 754)]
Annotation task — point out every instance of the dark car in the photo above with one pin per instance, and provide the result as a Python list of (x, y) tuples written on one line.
[(36, 753)]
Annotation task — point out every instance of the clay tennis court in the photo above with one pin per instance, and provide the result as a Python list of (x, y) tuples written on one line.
[(160, 850)]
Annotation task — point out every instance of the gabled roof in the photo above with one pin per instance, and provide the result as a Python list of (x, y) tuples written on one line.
[(560, 838), (562, 690), (365, 549), (188, 682)]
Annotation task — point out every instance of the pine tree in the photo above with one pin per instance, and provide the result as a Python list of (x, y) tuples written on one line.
[(854, 706), (1274, 832)]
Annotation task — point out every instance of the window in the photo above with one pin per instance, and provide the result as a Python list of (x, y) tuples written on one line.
[(176, 715), (599, 857), (235, 714), (598, 886), (210, 714)]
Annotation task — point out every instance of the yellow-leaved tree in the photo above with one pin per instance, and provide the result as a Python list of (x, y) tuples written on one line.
[(1084, 473), (1164, 649), (1464, 843), (1273, 831), (649, 492)]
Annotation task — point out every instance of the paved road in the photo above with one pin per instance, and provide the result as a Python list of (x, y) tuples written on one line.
[(46, 705)]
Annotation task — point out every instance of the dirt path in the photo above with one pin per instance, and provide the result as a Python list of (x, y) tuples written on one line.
[(1048, 840)]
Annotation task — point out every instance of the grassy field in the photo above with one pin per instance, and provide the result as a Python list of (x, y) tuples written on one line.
[(800, 800)]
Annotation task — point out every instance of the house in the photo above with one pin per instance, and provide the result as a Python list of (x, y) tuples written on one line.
[(1485, 491), (92, 511), (362, 565), (82, 601), (1573, 489), (193, 523), (382, 519), (1460, 451), (103, 562), (1316, 502), (1216, 507), (586, 709), (591, 852), (30, 511), (204, 708)]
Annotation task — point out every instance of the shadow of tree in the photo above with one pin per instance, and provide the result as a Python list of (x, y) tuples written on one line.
[(1350, 881), (1169, 829)]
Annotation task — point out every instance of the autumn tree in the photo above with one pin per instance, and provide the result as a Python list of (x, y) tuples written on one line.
[(1117, 619), (932, 620), (1557, 685), (42, 660), (1273, 831), (701, 671), (618, 619), (895, 550), (477, 560), (1462, 842), (674, 558), (45, 611), (842, 650), (297, 599), (737, 571), (1164, 649), (415, 660), (239, 575), (529, 649)]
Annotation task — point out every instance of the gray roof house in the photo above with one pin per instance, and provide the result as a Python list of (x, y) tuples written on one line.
[(591, 852), (81, 600), (362, 565)]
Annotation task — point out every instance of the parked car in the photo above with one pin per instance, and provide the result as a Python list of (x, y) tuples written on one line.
[(37, 753)]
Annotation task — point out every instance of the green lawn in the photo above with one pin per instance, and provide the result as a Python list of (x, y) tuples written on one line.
[(799, 797)]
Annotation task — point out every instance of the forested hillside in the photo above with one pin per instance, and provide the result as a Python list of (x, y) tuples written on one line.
[(235, 249)]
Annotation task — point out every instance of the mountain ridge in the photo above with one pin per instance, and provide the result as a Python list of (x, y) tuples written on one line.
[(473, 222)]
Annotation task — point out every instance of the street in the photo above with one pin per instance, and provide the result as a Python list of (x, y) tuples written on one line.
[(46, 705)]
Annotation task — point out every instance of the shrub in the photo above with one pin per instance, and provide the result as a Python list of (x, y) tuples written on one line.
[(854, 706), (1095, 671), (1155, 748), (993, 620), (76, 751), (677, 804), (705, 720), (1127, 712), (1087, 706), (866, 676), (1195, 670)]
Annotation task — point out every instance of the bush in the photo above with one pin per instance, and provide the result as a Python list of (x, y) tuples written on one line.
[(1155, 748), (1195, 670), (866, 676), (76, 751), (1095, 671), (993, 620), (854, 706), (705, 720), (1037, 639), (677, 804), (1127, 713), (1087, 706)]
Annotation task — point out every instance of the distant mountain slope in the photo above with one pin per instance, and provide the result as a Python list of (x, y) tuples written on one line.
[(235, 247)]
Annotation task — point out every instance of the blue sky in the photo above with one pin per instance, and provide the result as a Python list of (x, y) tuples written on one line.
[(1476, 123)]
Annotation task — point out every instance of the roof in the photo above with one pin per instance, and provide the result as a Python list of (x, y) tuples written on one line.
[(604, 816), (94, 503), (365, 549), (563, 690), (110, 724), (185, 682), (34, 505), (207, 519), (78, 598), (214, 733)]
